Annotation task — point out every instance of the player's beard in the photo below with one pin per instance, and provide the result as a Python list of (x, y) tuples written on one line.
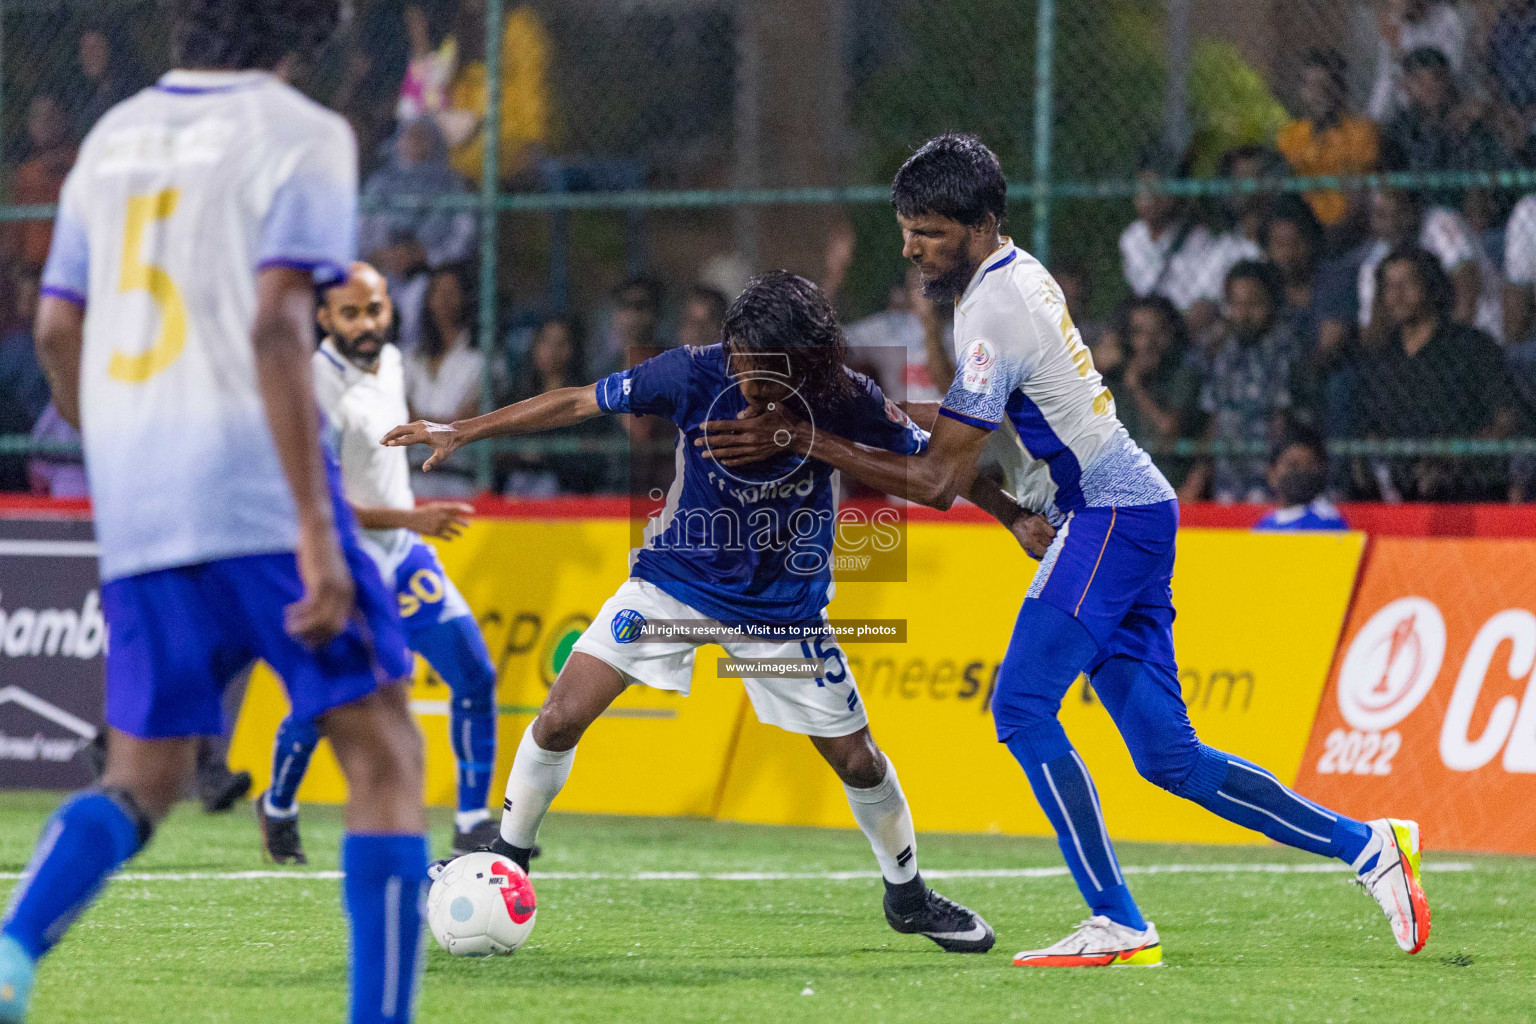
[(949, 286), (354, 354)]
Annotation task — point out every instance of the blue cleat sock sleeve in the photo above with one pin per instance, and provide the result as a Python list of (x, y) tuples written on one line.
[(1244, 793), (384, 894), (456, 650), (87, 839), (291, 750)]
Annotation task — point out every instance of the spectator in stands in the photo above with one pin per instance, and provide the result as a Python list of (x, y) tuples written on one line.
[(50, 155), (433, 58), (1319, 299), (1435, 131), (632, 328), (443, 376), (1322, 300), (1244, 213), (104, 81), (555, 360), (1431, 377), (1298, 475), (703, 313), (398, 240), (1154, 378), (1251, 381), (893, 345), (1328, 138), (632, 335), (1163, 251), (1403, 26), (374, 60), (1398, 218), (1520, 270), (1076, 281), (525, 102), (23, 388), (1512, 57)]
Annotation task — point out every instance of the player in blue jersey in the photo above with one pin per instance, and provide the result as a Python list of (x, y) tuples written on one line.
[(360, 382), (1101, 602), (745, 551), (177, 331)]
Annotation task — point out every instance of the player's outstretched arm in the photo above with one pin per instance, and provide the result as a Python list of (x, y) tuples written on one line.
[(924, 414), (283, 339), (444, 520), (60, 332), (563, 407), (935, 478)]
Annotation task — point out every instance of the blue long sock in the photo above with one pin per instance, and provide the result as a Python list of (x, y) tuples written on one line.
[(385, 898), (291, 750), (1068, 797), (88, 838), (456, 650), (1242, 792)]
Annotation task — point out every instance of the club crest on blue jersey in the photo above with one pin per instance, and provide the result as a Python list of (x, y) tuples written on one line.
[(627, 626)]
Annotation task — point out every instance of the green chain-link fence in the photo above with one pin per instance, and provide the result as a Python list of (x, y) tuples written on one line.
[(1219, 194)]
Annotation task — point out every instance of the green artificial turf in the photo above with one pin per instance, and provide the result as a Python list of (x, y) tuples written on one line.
[(1238, 946)]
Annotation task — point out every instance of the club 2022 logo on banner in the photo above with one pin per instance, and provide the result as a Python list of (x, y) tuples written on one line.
[(1431, 709)]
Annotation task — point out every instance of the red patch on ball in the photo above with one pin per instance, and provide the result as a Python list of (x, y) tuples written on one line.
[(516, 891)]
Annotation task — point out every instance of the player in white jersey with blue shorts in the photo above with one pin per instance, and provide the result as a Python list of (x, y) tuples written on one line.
[(360, 381), (1101, 601), (177, 331)]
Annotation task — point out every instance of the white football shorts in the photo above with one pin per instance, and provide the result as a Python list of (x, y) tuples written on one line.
[(826, 706)]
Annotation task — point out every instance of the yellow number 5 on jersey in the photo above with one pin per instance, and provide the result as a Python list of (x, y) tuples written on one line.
[(141, 276)]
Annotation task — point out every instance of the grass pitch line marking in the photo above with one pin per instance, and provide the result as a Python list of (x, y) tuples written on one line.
[(787, 876)]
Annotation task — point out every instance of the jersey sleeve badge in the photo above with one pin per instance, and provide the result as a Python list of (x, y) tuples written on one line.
[(977, 365)]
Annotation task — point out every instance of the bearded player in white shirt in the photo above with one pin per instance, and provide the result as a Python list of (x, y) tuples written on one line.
[(1101, 602), (176, 329), (360, 383)]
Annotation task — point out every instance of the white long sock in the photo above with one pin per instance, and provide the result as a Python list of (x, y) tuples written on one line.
[(886, 821), (537, 777)]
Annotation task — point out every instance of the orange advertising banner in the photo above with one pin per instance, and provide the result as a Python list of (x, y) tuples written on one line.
[(1430, 711)]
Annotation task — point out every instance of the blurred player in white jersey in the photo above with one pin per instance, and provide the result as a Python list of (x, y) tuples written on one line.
[(177, 331), (360, 381), (1101, 602)]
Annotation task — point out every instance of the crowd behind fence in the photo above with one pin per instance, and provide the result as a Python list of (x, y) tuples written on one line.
[(1317, 229)]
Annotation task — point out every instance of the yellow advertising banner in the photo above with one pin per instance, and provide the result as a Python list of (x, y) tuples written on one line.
[(1259, 616), (534, 585)]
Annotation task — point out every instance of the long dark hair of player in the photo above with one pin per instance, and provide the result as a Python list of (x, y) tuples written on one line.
[(781, 312), (241, 35)]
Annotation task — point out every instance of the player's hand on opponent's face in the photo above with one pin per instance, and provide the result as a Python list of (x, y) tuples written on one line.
[(758, 433), (321, 614), (442, 438), (444, 520), (1034, 534)]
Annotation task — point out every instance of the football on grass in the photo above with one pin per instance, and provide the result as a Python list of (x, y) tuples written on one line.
[(481, 905)]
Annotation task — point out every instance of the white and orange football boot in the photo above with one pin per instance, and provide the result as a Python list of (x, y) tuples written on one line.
[(1098, 942), (1394, 881)]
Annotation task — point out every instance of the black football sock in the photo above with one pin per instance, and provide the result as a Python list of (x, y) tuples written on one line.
[(906, 897), (517, 854)]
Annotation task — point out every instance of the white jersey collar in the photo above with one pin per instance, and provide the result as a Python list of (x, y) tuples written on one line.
[(350, 371), (1004, 255), (192, 83)]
